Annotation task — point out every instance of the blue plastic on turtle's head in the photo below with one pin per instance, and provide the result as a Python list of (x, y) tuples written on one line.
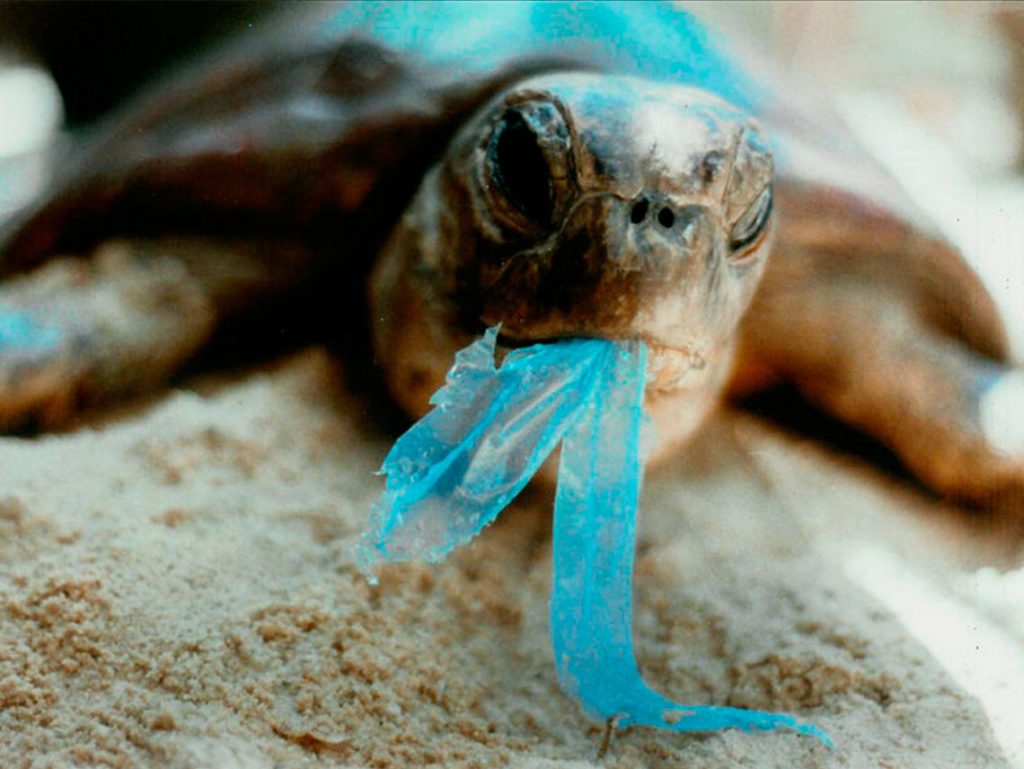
[(656, 40)]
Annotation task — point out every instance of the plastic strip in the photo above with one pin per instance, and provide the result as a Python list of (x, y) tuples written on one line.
[(594, 539), (490, 431)]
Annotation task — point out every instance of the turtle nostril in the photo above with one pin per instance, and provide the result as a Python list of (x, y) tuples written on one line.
[(666, 218), (639, 212)]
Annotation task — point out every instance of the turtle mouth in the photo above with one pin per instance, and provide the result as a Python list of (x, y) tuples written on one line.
[(673, 368), (513, 343), (668, 367)]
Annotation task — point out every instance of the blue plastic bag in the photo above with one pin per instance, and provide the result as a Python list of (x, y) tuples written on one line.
[(491, 429), (489, 432)]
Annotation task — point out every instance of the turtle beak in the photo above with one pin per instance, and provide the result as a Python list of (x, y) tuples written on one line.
[(622, 268), (662, 242), (667, 256)]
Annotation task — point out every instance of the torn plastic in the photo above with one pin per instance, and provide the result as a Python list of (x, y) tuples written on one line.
[(488, 434), (490, 431)]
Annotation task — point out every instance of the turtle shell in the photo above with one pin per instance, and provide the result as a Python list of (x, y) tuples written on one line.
[(320, 126)]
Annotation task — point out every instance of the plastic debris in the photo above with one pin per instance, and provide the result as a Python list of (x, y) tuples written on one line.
[(490, 431), (594, 541), (488, 434)]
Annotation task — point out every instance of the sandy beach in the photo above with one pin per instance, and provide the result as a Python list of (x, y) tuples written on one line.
[(177, 589)]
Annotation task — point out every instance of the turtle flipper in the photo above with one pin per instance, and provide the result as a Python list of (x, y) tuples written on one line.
[(951, 414), (81, 331)]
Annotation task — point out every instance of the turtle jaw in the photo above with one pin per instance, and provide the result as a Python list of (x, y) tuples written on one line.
[(612, 273), (668, 368)]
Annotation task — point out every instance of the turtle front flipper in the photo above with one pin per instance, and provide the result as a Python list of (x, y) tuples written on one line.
[(864, 352), (78, 332)]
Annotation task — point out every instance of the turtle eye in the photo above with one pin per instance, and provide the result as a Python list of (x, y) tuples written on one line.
[(525, 161), (520, 169), (749, 227)]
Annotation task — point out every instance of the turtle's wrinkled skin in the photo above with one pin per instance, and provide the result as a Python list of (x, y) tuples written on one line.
[(597, 170), (581, 204)]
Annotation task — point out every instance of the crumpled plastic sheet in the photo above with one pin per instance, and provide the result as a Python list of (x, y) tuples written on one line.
[(491, 429)]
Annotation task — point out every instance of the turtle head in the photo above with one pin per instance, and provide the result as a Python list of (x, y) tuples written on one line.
[(579, 204), (588, 205)]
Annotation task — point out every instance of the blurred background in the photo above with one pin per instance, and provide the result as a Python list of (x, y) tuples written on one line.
[(65, 65), (935, 90)]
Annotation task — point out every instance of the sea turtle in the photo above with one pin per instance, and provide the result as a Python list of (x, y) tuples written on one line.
[(561, 170)]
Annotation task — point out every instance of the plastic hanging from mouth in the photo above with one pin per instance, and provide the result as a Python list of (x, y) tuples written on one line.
[(488, 434), (491, 429)]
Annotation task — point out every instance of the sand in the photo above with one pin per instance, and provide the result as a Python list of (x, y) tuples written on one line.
[(177, 590)]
